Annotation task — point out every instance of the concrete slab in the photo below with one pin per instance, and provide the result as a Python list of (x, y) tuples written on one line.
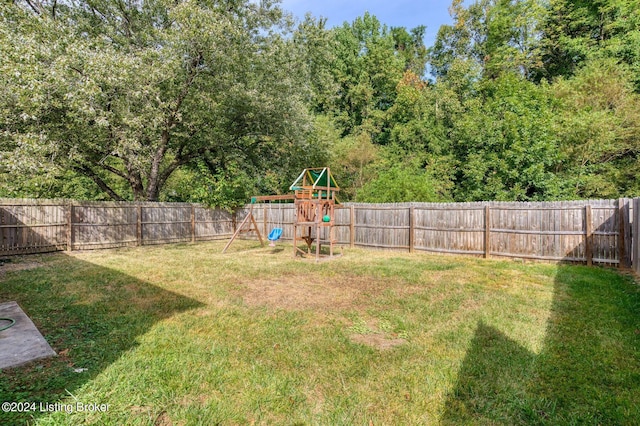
[(23, 342)]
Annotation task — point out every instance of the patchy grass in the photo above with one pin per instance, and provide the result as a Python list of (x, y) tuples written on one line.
[(180, 334)]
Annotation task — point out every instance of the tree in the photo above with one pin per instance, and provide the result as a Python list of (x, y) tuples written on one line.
[(369, 60), (497, 35), (410, 46), (418, 131), (367, 69), (536, 98), (506, 145), (317, 47), (597, 118), (133, 91), (577, 31), (400, 184)]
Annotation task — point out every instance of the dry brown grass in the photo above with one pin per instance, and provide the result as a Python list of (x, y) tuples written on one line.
[(378, 340), (17, 264), (302, 292)]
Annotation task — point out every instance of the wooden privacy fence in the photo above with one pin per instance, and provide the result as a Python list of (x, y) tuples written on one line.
[(37, 226), (592, 231)]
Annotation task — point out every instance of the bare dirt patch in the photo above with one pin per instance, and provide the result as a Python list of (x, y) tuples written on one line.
[(377, 340), (319, 293), (7, 265), (163, 419)]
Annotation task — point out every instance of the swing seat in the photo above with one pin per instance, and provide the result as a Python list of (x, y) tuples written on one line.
[(275, 234)]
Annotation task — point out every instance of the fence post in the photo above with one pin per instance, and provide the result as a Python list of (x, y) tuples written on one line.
[(352, 227), (234, 221), (487, 231), (588, 238), (411, 229), (635, 236), (622, 261), (139, 225), (193, 223), (70, 226), (264, 219)]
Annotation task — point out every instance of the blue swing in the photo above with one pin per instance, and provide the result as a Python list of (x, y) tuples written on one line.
[(275, 234)]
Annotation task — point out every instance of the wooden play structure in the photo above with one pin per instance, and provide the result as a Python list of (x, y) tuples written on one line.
[(314, 197)]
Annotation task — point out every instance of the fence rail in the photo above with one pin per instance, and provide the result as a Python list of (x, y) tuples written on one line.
[(590, 231)]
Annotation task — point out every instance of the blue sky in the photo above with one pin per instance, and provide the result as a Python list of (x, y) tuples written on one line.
[(393, 13)]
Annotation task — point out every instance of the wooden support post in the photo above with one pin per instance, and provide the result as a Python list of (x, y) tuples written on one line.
[(487, 231), (70, 227), (588, 238), (352, 227), (628, 205), (264, 219), (139, 225), (295, 228), (411, 229), (317, 240), (193, 223), (295, 239), (253, 226), (298, 231)]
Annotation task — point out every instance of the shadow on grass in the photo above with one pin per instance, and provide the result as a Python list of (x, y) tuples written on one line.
[(89, 314), (588, 371)]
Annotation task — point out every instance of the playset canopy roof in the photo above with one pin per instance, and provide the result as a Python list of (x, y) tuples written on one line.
[(315, 178)]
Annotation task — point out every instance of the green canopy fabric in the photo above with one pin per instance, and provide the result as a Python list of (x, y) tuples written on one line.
[(316, 177), (323, 178)]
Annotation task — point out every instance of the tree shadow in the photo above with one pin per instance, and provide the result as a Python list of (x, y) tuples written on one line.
[(492, 375), (588, 371), (21, 230), (89, 314)]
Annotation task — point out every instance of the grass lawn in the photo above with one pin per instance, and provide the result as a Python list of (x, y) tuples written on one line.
[(181, 334)]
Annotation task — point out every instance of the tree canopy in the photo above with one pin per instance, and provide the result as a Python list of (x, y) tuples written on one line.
[(126, 93), (213, 100)]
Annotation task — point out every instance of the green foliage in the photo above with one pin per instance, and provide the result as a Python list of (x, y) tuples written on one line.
[(575, 32), (215, 101), (367, 71), (410, 46), (63, 184), (199, 185), (598, 121), (516, 140), (506, 145), (400, 184), (498, 35), (317, 47), (352, 155), (139, 90)]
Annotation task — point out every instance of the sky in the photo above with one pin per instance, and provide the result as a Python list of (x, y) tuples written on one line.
[(393, 13)]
